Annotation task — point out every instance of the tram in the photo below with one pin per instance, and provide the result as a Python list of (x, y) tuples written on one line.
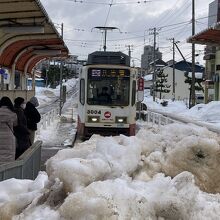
[(107, 95)]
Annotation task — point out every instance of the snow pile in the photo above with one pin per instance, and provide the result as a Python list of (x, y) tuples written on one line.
[(165, 173), (16, 194), (205, 112), (121, 198), (202, 112), (111, 158), (172, 107), (46, 95)]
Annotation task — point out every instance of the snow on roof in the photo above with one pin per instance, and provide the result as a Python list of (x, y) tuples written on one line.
[(198, 75), (148, 77), (37, 79)]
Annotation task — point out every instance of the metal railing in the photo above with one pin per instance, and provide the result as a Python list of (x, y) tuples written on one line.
[(26, 166), (156, 118), (47, 119)]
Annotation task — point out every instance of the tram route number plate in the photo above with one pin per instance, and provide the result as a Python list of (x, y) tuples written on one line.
[(94, 112)]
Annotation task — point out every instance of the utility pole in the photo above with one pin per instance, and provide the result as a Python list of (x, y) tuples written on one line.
[(61, 77), (190, 68), (154, 59), (174, 79), (129, 50), (193, 100), (2, 78)]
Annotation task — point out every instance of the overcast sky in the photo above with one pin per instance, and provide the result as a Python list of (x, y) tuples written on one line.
[(133, 20)]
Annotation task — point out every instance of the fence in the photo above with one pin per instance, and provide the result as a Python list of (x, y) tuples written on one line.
[(156, 118), (47, 119), (26, 166)]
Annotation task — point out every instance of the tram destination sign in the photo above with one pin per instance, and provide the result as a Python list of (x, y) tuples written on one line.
[(101, 72)]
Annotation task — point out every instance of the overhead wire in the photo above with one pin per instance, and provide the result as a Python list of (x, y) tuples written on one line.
[(177, 12), (116, 3), (174, 29), (110, 6)]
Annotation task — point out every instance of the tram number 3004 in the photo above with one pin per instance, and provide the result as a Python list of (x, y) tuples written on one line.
[(94, 112)]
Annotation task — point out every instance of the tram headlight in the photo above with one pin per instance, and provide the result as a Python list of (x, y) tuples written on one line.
[(93, 119), (121, 120)]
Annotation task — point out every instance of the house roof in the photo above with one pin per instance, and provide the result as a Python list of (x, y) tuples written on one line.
[(198, 75), (27, 35), (148, 77), (186, 66), (159, 62), (209, 36)]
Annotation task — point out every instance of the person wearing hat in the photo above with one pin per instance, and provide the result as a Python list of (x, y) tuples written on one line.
[(8, 119), (33, 117), (21, 131)]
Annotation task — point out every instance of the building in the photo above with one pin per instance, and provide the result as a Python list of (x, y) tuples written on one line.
[(210, 37), (148, 78), (181, 88), (214, 13), (148, 56)]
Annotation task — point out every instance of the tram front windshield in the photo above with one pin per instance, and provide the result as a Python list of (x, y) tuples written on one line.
[(108, 87)]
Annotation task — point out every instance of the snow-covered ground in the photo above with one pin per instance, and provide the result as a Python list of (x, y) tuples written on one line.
[(168, 172), (202, 112), (58, 131)]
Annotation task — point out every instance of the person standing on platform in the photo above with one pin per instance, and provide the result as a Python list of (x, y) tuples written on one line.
[(32, 116), (8, 120), (21, 131)]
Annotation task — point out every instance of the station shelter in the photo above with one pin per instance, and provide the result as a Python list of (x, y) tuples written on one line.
[(27, 36)]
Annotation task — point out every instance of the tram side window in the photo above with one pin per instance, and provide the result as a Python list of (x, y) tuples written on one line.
[(82, 92), (133, 93)]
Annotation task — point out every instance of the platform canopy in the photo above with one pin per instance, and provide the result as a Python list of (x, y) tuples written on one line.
[(27, 35), (210, 36)]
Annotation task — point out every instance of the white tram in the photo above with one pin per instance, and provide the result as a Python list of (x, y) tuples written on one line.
[(107, 95)]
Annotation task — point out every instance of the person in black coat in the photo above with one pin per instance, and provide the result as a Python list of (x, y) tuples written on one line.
[(21, 131), (33, 117), (104, 97)]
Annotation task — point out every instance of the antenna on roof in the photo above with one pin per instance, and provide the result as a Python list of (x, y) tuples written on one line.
[(105, 29)]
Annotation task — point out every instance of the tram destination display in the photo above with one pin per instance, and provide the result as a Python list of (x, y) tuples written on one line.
[(102, 73)]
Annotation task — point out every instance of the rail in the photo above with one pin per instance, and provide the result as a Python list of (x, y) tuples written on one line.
[(26, 166)]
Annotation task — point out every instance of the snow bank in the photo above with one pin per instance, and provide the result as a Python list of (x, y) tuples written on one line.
[(16, 194), (110, 158), (47, 95), (161, 173), (205, 112)]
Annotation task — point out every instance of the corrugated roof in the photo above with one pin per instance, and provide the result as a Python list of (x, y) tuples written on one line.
[(209, 36)]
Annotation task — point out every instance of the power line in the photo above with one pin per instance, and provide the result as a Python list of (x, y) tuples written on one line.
[(135, 32), (179, 12), (116, 3), (110, 6)]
